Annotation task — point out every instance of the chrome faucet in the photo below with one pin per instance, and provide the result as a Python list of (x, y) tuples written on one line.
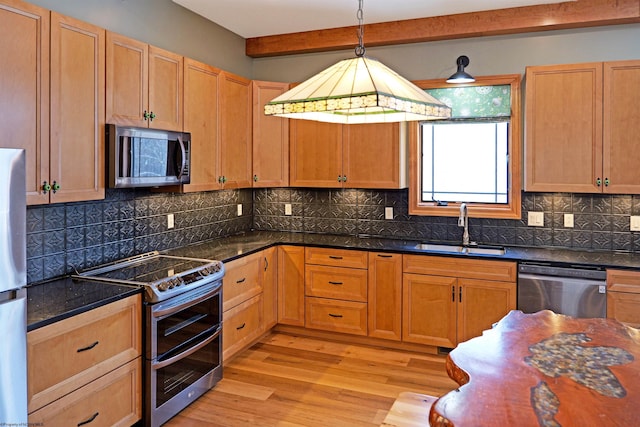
[(463, 221)]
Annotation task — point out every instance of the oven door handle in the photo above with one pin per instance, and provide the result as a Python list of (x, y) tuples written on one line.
[(186, 353), (172, 309)]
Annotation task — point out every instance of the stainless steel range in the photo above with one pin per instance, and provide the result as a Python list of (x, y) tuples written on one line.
[(183, 326)]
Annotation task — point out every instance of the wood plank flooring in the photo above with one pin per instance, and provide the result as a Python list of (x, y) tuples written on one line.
[(286, 380)]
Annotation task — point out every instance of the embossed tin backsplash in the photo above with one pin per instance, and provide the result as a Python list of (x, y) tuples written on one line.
[(64, 237)]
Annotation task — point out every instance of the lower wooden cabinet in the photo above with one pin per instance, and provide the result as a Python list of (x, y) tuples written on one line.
[(623, 296), (447, 300), (291, 285), (384, 303), (241, 325), (336, 315), (75, 360), (111, 400), (269, 269)]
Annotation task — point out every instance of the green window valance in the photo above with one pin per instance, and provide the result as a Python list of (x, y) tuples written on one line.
[(475, 101)]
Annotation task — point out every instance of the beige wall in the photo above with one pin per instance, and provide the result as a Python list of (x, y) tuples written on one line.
[(162, 23)]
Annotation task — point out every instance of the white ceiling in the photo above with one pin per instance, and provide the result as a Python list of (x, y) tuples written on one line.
[(256, 18)]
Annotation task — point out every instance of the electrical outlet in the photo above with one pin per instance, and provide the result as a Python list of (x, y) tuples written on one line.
[(568, 220), (170, 222), (239, 209), (634, 223), (388, 212), (535, 219), (287, 209)]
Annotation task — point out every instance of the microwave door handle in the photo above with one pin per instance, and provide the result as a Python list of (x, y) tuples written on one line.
[(183, 157)]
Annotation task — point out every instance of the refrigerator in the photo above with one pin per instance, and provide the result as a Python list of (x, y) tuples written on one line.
[(13, 294)]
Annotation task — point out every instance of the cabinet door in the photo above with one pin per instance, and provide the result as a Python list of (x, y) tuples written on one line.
[(316, 154), (165, 89), (374, 156), (270, 138), (24, 89), (563, 128), (269, 268), (127, 81), (384, 303), (235, 126), (77, 110), (291, 285), (481, 304), (429, 310), (201, 120), (621, 156), (242, 280), (624, 307)]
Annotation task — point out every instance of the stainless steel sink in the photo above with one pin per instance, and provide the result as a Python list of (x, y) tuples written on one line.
[(471, 250)]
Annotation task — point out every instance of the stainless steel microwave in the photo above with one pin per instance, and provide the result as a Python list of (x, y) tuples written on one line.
[(141, 157)]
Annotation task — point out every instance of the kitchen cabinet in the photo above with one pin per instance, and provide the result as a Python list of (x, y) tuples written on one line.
[(623, 296), (269, 269), (201, 97), (580, 122), (291, 285), (447, 300), (87, 364), (242, 304), (144, 84), (235, 131), (348, 156), (336, 290), (385, 296), (270, 138), (52, 104)]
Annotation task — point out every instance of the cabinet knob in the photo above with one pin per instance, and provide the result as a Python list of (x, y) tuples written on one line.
[(55, 187), (152, 116), (46, 187), (598, 182), (255, 178), (145, 115), (606, 182)]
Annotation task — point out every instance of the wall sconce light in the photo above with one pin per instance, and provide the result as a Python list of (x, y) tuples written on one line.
[(461, 76)]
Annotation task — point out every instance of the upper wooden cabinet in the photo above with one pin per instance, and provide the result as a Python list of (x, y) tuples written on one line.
[(270, 138), (201, 89), (52, 103), (77, 110), (349, 156), (580, 122), (235, 131), (144, 84)]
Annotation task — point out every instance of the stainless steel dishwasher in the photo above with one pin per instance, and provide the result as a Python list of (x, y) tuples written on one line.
[(578, 291)]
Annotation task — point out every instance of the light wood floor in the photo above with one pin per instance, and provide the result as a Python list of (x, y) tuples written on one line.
[(287, 380)]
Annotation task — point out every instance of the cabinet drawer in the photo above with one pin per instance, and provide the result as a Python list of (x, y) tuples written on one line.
[(111, 400), (241, 280), (336, 316), (335, 282), (623, 281), (69, 354), (504, 271), (241, 324), (336, 257)]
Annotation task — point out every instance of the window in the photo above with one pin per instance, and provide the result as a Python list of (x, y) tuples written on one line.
[(469, 159)]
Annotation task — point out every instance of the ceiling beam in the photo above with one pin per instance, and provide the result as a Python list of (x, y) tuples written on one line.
[(573, 14)]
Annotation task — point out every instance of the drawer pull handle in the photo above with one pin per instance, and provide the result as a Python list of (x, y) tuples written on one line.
[(241, 280), (89, 420), (89, 347), (335, 283), (338, 316), (335, 257), (241, 326), (384, 256)]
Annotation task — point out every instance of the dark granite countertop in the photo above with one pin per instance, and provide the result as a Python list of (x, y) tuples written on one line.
[(229, 248), (58, 299)]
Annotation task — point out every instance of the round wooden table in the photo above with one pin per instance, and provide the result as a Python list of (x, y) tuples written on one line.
[(544, 369)]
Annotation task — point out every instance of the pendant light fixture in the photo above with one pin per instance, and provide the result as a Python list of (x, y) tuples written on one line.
[(357, 90), (461, 76)]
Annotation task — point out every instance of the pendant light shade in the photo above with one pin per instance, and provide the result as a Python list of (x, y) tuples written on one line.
[(357, 90)]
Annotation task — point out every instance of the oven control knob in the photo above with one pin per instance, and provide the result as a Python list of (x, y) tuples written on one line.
[(163, 286)]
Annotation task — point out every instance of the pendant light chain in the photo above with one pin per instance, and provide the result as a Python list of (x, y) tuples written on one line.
[(360, 15)]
